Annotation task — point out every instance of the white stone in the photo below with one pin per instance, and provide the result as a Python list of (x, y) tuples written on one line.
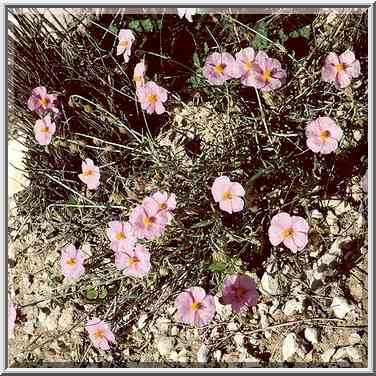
[(326, 356), (141, 323), (232, 326), (66, 319), (239, 339), (340, 307), (357, 134), (311, 335), (223, 310), (165, 345), (270, 284), (289, 346), (331, 218), (316, 214), (217, 355), (354, 354), (202, 354), (354, 339), (174, 331), (341, 208), (292, 306)]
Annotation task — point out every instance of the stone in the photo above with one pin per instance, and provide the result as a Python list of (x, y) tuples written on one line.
[(354, 339), (326, 356), (270, 284), (202, 354), (290, 346), (217, 355), (165, 345), (311, 335), (340, 307), (141, 323), (292, 306), (354, 354), (316, 214)]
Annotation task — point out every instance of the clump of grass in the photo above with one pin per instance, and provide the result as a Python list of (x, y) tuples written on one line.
[(260, 143)]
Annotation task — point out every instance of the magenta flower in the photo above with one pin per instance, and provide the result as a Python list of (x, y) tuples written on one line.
[(219, 68), (100, 334), (90, 174), (187, 13), (267, 73), (340, 69), (151, 96), (165, 203), (40, 101), (228, 194), (195, 307), (148, 220), (44, 129), (246, 60), (323, 135), (139, 74), (126, 39), (292, 231), (134, 263), (72, 262), (240, 292), (12, 315), (121, 235), (364, 182)]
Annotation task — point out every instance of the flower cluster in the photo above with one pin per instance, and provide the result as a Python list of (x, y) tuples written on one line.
[(254, 70), (43, 104)]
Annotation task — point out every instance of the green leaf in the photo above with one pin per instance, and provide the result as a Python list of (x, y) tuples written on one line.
[(91, 293), (102, 293), (135, 25), (259, 42), (196, 60), (217, 266), (147, 25), (294, 34), (114, 29), (305, 31), (203, 223)]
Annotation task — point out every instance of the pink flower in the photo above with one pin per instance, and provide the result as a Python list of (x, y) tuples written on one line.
[(165, 203), (195, 307), (340, 70), (240, 292), (90, 174), (134, 263), (246, 60), (151, 96), (44, 130), (267, 73), (219, 68), (71, 262), (148, 220), (187, 13), (291, 230), (41, 102), (121, 234), (323, 135), (139, 74), (364, 182), (12, 315), (126, 38), (228, 194), (100, 334)]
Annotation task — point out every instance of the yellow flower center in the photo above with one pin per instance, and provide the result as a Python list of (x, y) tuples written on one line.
[(152, 98), (99, 334), (43, 102), (287, 232), (227, 195), (44, 130), (148, 221), (123, 43), (88, 173), (267, 74), (163, 206), (340, 68), (71, 262), (120, 235), (248, 65), (324, 135), (219, 68), (196, 306), (239, 292), (133, 260)]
